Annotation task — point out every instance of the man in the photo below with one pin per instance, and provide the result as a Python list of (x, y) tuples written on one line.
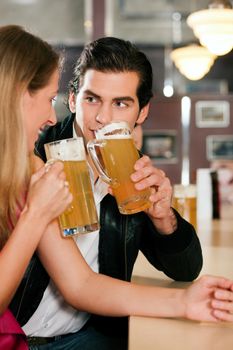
[(113, 81)]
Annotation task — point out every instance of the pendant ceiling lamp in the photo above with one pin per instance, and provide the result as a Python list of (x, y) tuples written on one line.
[(214, 27), (193, 61)]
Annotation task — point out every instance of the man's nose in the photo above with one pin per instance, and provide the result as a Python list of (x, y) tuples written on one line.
[(104, 115)]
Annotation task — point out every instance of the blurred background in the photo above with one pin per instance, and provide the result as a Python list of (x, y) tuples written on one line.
[(190, 125)]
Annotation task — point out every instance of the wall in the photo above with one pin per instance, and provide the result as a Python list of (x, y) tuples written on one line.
[(198, 156), (165, 114)]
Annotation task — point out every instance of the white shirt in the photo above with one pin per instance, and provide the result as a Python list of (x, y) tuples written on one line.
[(53, 315)]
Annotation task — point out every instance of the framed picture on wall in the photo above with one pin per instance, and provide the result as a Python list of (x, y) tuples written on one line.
[(212, 114), (219, 147), (160, 145)]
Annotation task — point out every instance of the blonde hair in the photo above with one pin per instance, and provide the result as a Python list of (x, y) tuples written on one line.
[(26, 63)]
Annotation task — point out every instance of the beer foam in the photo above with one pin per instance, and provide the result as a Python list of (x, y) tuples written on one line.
[(116, 128), (114, 137), (68, 149)]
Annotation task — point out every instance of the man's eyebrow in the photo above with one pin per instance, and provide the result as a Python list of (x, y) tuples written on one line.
[(124, 98), (89, 92), (115, 99)]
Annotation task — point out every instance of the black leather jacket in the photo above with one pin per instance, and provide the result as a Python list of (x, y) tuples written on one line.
[(121, 237)]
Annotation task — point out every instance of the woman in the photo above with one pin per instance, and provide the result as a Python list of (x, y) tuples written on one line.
[(29, 83), (27, 203)]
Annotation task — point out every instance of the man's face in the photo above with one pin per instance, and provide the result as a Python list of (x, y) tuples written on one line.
[(105, 97)]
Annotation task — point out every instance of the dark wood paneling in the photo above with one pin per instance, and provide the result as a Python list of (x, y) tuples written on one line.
[(98, 19), (198, 156), (165, 114)]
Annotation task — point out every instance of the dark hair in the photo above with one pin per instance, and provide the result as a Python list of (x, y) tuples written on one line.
[(111, 54)]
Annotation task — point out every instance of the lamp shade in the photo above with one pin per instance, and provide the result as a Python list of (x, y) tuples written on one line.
[(214, 28), (193, 61)]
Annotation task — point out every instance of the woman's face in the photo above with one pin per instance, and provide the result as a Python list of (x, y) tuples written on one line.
[(38, 110)]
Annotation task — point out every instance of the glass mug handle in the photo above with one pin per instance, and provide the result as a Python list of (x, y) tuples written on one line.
[(91, 147)]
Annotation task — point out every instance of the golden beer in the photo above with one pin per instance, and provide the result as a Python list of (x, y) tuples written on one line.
[(81, 214), (184, 201), (119, 156)]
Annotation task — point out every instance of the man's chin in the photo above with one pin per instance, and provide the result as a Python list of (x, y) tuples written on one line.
[(90, 136)]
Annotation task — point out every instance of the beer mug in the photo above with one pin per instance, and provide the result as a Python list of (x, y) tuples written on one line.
[(81, 215), (114, 154), (184, 201)]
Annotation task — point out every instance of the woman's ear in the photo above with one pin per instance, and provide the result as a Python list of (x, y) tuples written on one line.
[(72, 102), (143, 114)]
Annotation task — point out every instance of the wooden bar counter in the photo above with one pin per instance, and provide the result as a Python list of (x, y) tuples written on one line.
[(147, 333)]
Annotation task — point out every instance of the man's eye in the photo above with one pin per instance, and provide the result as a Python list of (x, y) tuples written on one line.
[(121, 104), (91, 99)]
